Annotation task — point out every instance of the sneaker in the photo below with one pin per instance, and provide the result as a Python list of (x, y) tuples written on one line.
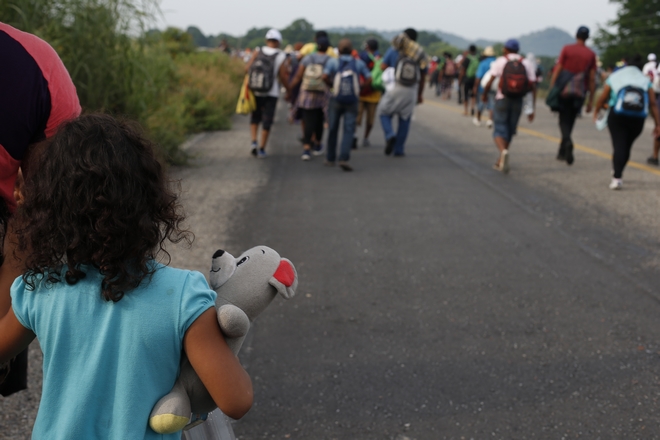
[(616, 184), (476, 122), (390, 145), (261, 154), (317, 150), (345, 166), (504, 161), (489, 123), (306, 155), (652, 161), (253, 151), (366, 143)]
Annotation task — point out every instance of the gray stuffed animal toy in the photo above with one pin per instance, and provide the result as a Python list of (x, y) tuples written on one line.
[(245, 286)]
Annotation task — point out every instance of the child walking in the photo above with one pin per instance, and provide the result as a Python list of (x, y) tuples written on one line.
[(112, 321)]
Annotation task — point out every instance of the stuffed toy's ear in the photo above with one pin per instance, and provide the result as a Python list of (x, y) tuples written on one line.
[(285, 279), (223, 266)]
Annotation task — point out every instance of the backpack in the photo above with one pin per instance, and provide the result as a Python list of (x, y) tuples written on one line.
[(406, 72), (346, 85), (632, 101), (514, 82), (450, 68), (261, 75), (471, 70), (377, 74), (313, 77)]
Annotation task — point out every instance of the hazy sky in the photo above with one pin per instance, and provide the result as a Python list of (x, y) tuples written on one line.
[(493, 19)]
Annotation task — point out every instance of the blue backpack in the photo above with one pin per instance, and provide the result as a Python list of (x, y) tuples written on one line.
[(346, 84), (632, 101)]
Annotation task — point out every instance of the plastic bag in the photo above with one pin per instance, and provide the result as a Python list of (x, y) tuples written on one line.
[(216, 427), (247, 103)]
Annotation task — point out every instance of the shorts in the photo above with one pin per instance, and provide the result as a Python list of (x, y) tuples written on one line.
[(506, 115), (265, 112), (370, 108), (468, 86), (490, 105)]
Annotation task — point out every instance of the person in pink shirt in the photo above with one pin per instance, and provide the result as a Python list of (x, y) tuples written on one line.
[(517, 77), (37, 97)]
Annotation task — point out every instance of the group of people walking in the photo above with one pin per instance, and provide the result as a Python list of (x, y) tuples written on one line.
[(338, 89)]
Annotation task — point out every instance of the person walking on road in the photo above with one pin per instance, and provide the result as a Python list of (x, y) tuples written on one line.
[(631, 97), (516, 78), (447, 76), (343, 75), (652, 70), (313, 96), (370, 95), (266, 73), (575, 79), (410, 64), (482, 70), (466, 77)]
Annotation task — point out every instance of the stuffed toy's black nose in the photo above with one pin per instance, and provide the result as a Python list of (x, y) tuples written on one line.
[(218, 253)]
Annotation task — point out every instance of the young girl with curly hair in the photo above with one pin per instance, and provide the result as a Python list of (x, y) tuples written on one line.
[(111, 320)]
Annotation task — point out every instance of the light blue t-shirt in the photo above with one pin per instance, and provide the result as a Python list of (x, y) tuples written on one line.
[(106, 364), (624, 77)]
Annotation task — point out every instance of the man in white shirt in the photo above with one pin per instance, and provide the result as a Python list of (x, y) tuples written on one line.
[(517, 77), (267, 100)]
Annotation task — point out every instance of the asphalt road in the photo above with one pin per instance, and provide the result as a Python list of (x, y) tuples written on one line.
[(441, 299), (438, 299)]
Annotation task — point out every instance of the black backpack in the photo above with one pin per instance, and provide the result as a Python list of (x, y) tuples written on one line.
[(261, 75), (514, 82), (406, 72)]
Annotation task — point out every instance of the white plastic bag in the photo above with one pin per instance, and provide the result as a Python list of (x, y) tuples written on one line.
[(216, 427)]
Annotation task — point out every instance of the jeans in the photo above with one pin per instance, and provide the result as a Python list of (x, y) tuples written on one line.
[(336, 111), (506, 116), (569, 109), (401, 133)]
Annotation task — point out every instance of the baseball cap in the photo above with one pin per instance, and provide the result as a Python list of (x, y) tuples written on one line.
[(273, 34), (512, 45), (651, 57), (583, 32)]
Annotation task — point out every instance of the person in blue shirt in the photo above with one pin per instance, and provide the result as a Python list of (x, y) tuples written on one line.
[(343, 104), (401, 100), (484, 67), (111, 321)]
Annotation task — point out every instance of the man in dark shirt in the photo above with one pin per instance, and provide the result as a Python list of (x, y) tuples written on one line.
[(576, 65)]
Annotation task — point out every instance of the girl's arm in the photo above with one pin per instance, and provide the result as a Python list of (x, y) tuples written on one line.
[(654, 111), (14, 338), (219, 369)]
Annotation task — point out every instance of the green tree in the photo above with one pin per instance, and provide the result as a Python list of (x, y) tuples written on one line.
[(637, 31), (300, 30)]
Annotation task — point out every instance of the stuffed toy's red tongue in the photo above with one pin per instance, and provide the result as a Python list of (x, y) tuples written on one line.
[(285, 274)]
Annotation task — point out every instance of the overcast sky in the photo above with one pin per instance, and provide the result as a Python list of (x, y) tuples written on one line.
[(472, 19)]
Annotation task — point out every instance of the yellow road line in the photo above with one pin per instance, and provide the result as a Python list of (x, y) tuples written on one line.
[(556, 140)]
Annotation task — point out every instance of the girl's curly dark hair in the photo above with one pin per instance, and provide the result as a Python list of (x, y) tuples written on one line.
[(97, 196)]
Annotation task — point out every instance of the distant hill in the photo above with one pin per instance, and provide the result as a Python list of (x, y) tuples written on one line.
[(547, 42)]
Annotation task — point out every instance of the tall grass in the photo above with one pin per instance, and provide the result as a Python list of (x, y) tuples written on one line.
[(118, 69)]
